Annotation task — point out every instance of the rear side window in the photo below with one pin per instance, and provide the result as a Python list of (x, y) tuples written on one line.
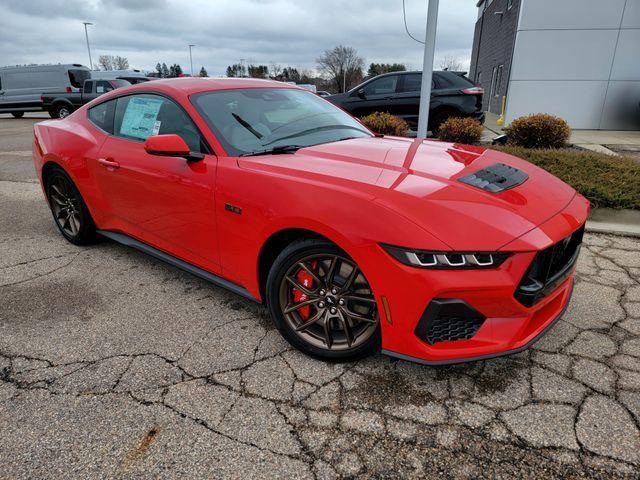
[(452, 80), (102, 115), (137, 117), (77, 77)]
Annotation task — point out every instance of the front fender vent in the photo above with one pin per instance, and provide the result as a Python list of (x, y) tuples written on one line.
[(495, 178)]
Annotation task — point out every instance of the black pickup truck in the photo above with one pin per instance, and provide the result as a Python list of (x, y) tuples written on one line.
[(60, 105)]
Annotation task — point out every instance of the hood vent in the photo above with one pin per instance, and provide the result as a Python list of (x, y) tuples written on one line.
[(495, 178)]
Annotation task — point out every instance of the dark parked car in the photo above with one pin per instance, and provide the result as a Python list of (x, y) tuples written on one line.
[(452, 95), (61, 105)]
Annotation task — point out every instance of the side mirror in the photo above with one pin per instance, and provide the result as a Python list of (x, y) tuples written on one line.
[(361, 93), (170, 145)]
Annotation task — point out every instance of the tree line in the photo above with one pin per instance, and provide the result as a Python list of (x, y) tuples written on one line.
[(340, 68), (173, 71)]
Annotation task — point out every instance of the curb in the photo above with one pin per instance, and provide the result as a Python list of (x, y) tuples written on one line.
[(614, 222)]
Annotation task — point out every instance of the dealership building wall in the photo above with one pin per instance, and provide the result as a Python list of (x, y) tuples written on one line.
[(578, 59)]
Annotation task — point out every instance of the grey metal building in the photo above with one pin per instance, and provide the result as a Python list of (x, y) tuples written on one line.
[(578, 59)]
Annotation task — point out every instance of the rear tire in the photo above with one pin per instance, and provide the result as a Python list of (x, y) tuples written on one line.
[(69, 211), (61, 111), (347, 325), (17, 114)]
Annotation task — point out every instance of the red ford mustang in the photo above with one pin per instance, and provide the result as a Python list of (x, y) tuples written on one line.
[(434, 252)]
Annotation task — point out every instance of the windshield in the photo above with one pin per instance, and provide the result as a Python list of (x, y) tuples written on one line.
[(259, 119)]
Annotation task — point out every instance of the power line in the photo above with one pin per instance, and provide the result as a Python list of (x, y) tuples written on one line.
[(404, 16)]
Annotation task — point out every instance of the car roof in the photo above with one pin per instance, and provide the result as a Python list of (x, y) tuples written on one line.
[(191, 85)]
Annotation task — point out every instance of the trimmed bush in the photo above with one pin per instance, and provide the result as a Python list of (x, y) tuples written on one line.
[(386, 124), (538, 131), (607, 181), (460, 130)]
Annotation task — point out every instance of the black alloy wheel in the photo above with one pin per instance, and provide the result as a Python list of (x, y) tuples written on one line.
[(69, 211)]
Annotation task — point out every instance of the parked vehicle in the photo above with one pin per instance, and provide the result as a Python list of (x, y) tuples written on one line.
[(21, 88), (62, 104), (434, 252), (136, 80), (398, 93), (132, 76)]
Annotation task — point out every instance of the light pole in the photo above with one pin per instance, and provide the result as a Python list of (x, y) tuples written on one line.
[(86, 34), (191, 45), (427, 68)]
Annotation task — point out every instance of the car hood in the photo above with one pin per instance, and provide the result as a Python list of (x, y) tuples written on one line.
[(420, 181)]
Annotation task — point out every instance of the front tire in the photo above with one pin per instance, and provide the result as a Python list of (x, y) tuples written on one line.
[(70, 213), (322, 303), (17, 114)]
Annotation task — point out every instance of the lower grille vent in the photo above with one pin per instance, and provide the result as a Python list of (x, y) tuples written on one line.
[(446, 320)]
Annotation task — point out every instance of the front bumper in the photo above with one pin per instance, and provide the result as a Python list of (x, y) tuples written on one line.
[(508, 327)]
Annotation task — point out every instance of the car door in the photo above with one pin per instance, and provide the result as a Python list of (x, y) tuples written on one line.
[(167, 202), (376, 96)]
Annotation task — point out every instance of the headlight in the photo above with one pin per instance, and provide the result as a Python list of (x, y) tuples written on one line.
[(446, 260)]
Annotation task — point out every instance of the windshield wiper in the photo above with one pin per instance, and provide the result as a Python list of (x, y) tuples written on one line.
[(319, 129), (247, 125), (274, 151)]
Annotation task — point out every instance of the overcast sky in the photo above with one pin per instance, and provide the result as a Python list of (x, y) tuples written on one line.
[(285, 32)]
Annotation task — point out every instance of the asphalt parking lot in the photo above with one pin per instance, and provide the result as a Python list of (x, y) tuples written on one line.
[(115, 365)]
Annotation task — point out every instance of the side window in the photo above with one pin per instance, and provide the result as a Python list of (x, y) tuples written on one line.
[(88, 87), (412, 82), (103, 86), (137, 117), (385, 85), (102, 115), (499, 80)]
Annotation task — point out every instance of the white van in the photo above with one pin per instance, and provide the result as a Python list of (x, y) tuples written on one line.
[(22, 87)]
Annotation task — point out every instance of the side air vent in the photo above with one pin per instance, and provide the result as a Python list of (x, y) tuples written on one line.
[(448, 319), (495, 178)]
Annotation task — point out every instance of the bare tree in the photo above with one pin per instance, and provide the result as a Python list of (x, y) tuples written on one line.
[(106, 62), (111, 62), (275, 70), (121, 63), (342, 66), (451, 63)]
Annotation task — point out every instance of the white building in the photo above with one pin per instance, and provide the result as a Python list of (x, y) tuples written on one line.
[(578, 59)]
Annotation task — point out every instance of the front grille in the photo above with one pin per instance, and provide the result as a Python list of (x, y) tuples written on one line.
[(447, 319), (549, 268)]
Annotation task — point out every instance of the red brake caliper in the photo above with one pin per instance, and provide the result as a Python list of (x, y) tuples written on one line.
[(305, 280)]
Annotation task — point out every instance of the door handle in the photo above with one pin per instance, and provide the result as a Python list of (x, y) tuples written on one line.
[(108, 162)]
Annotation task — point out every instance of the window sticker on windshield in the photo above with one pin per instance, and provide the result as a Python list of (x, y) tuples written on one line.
[(139, 119), (156, 127)]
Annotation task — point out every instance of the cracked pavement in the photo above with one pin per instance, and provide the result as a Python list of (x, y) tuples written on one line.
[(113, 364)]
